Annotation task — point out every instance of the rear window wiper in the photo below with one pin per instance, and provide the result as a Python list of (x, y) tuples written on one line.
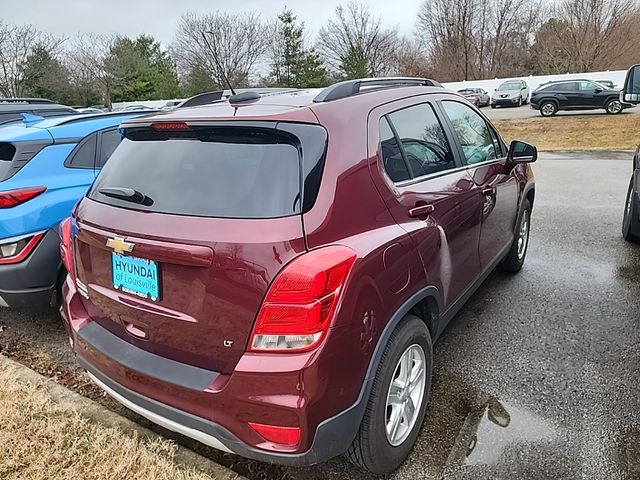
[(127, 194)]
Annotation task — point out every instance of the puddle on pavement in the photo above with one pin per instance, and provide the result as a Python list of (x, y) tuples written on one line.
[(490, 430), (466, 426)]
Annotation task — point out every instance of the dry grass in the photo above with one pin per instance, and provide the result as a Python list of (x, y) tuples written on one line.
[(580, 132), (41, 440)]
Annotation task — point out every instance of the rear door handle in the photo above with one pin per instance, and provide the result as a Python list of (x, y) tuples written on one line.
[(489, 191), (421, 210)]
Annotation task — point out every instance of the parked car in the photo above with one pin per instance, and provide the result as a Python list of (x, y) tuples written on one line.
[(512, 93), (552, 97), (631, 220), (88, 110), (230, 260), (478, 96), (45, 167), (11, 109)]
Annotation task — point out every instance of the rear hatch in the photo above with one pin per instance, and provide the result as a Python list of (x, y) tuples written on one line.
[(186, 226)]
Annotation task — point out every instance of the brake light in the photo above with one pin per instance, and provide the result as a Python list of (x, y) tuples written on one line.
[(289, 436), (302, 300), (170, 126), (11, 198), (66, 246), (16, 251)]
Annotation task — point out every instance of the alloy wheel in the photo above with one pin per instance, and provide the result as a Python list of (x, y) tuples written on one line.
[(523, 235), (614, 107), (405, 395), (548, 109)]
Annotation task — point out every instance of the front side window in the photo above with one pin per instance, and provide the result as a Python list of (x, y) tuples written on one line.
[(423, 140), (476, 137), (588, 86)]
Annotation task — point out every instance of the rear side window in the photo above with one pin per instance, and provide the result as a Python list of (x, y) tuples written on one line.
[(423, 140), (84, 154), (109, 140), (222, 171)]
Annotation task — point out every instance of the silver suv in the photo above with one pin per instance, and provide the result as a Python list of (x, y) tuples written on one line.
[(512, 93)]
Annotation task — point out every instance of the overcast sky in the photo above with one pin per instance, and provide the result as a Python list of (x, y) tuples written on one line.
[(159, 17)]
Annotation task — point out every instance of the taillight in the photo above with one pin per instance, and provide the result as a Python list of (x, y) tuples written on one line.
[(66, 246), (302, 300), (16, 250), (11, 198), (289, 436)]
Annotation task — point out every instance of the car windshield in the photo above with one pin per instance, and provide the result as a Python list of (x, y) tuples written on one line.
[(510, 86)]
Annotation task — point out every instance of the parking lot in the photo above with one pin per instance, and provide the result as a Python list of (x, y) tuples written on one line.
[(535, 378), (512, 113)]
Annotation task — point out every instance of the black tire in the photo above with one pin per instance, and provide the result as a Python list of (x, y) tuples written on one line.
[(514, 259), (477, 103), (493, 106), (548, 108), (630, 218), (371, 450), (520, 101), (613, 106)]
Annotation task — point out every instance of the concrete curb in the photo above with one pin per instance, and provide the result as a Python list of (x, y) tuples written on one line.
[(98, 414)]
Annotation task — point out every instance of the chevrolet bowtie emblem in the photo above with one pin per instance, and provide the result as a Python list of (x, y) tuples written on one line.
[(119, 245)]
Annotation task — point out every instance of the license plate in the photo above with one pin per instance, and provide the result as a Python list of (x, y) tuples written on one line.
[(136, 276)]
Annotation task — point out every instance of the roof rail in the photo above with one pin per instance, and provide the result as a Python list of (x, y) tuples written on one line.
[(25, 100), (353, 87)]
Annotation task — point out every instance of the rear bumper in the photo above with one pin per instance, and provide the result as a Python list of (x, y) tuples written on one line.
[(32, 283), (210, 407)]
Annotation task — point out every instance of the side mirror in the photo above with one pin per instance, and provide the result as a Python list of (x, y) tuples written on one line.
[(598, 90), (631, 91), (523, 88), (522, 152)]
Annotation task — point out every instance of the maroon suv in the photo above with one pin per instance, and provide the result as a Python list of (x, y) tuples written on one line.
[(267, 275)]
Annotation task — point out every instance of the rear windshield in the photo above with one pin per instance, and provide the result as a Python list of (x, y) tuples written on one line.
[(222, 171)]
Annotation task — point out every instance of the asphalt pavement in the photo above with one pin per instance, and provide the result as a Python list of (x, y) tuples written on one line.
[(512, 113), (537, 376)]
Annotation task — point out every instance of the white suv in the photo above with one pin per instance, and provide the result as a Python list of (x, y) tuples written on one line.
[(510, 93)]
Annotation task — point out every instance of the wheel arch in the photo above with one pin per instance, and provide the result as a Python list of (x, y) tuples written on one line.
[(425, 304)]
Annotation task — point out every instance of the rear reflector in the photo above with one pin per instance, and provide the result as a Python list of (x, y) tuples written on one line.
[(11, 198), (282, 435), (302, 301), (66, 246), (16, 251)]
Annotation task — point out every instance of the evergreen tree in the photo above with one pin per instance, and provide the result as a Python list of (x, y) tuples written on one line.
[(292, 65)]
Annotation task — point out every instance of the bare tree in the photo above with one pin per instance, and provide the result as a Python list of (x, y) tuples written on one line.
[(471, 39), (587, 35), (355, 40), (89, 60), (238, 41), (16, 45), (411, 60)]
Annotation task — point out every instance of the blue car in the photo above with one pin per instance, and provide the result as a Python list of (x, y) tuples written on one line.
[(46, 166)]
